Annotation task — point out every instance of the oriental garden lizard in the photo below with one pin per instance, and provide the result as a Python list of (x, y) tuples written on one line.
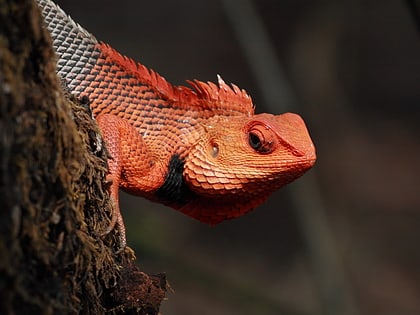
[(199, 149)]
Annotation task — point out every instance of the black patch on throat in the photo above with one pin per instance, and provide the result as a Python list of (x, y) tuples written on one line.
[(174, 190)]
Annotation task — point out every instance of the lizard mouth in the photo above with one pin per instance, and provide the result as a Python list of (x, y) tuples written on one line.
[(292, 133)]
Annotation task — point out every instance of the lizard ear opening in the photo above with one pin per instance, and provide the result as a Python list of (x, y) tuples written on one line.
[(214, 150), (261, 138)]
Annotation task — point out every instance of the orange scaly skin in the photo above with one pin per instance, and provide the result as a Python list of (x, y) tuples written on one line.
[(200, 150)]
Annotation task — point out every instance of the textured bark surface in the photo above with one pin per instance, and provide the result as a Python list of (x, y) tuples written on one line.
[(54, 203)]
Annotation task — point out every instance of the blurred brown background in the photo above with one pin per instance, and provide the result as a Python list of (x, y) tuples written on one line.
[(345, 238)]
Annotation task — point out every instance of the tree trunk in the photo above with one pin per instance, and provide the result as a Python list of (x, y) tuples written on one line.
[(54, 202)]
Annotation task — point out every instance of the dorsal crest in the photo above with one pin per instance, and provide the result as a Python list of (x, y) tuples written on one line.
[(202, 95)]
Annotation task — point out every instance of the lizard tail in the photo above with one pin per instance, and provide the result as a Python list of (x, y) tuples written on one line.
[(75, 47)]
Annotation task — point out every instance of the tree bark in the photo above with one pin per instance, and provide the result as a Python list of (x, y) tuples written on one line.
[(54, 201)]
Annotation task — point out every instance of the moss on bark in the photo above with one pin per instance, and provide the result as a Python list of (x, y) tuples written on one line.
[(54, 202)]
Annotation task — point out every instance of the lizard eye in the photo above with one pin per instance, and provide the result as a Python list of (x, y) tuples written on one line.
[(254, 141), (261, 138)]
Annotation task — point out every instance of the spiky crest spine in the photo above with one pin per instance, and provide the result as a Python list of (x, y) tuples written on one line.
[(208, 95)]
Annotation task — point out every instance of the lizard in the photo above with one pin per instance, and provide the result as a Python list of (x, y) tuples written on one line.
[(200, 149)]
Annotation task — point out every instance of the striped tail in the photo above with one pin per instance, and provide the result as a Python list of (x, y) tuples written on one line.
[(75, 47)]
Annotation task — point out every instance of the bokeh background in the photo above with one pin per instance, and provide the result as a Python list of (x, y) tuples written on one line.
[(344, 239)]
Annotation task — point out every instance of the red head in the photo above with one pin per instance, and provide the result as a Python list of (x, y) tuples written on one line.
[(239, 161)]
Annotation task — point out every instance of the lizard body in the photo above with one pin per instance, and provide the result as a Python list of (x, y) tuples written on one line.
[(198, 149)]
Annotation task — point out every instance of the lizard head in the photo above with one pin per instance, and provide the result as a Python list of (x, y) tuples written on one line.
[(240, 161)]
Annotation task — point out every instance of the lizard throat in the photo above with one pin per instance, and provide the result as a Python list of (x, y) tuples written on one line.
[(174, 191)]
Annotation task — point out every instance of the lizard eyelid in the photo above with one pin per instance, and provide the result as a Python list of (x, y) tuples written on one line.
[(261, 138)]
